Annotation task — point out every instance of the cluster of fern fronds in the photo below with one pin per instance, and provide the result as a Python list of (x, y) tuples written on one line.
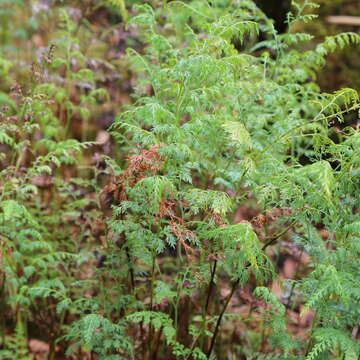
[(231, 159)]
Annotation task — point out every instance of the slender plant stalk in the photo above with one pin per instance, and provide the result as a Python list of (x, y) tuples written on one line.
[(131, 270), (151, 329), (157, 344), (152, 282), (218, 322), (271, 241), (274, 238), (211, 285), (207, 302)]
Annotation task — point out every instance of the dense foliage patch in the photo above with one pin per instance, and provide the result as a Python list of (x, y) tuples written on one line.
[(216, 216)]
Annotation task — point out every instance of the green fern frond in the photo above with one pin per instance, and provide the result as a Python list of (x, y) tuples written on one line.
[(238, 134), (322, 173), (332, 43), (216, 201), (329, 339)]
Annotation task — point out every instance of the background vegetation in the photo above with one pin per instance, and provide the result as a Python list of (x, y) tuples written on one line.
[(179, 180)]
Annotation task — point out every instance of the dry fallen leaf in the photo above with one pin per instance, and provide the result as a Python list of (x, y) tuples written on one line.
[(39, 349), (102, 137)]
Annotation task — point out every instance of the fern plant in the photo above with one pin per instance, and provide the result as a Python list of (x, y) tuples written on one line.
[(40, 205), (230, 157), (220, 129)]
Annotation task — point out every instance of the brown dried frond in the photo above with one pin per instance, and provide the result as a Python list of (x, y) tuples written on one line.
[(182, 233), (270, 216), (148, 162), (166, 208)]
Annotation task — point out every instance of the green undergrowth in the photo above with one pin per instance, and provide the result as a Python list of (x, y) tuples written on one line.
[(166, 240)]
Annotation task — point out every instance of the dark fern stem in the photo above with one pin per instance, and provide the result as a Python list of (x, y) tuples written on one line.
[(218, 322)]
